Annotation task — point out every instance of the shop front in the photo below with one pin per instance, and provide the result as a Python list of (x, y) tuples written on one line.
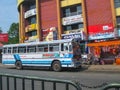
[(106, 51)]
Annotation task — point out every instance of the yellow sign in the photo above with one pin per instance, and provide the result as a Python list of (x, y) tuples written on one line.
[(19, 2)]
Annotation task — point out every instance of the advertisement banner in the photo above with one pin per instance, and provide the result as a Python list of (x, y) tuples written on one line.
[(72, 20), (80, 35), (4, 37), (49, 34), (30, 13), (101, 31)]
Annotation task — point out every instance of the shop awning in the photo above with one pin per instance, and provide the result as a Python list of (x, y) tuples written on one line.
[(104, 43)]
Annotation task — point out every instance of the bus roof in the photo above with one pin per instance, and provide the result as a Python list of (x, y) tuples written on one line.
[(37, 43)]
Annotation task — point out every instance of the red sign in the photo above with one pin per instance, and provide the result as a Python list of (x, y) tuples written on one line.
[(101, 31), (3, 37)]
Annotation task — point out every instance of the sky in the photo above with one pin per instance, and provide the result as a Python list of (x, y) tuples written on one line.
[(8, 14)]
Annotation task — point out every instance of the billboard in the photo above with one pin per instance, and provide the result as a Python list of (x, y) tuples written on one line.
[(49, 34), (101, 31), (3, 37)]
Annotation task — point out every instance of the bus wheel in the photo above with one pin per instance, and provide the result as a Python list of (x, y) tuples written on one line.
[(18, 65), (56, 66)]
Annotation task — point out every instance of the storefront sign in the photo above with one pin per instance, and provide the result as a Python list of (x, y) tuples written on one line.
[(72, 35), (30, 13), (101, 31), (102, 35), (72, 19)]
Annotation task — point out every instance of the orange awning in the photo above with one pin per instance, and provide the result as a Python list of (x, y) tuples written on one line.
[(104, 43)]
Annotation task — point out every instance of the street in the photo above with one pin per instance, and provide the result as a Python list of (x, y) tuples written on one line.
[(87, 80)]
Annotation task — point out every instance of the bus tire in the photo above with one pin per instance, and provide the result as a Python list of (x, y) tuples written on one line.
[(56, 66), (18, 65)]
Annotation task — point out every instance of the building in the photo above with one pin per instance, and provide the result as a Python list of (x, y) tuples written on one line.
[(60, 19)]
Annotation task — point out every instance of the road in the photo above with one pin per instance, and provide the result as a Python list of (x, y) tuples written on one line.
[(87, 80)]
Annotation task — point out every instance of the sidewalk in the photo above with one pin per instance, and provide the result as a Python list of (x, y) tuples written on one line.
[(102, 68)]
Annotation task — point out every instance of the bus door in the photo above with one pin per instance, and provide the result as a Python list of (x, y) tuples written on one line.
[(76, 51)]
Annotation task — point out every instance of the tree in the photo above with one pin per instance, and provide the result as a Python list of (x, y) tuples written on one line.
[(1, 30), (13, 33)]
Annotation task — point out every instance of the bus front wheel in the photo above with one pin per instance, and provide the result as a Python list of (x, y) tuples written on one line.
[(18, 65), (56, 66)]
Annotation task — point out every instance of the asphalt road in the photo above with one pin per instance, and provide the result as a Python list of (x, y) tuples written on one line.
[(87, 78)]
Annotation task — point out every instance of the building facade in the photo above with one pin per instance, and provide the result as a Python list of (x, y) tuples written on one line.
[(45, 20)]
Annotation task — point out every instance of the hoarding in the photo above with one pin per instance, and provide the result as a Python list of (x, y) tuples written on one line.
[(80, 35), (49, 34), (101, 31), (72, 20), (3, 37)]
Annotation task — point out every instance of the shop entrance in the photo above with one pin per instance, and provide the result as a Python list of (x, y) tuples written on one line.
[(107, 51)]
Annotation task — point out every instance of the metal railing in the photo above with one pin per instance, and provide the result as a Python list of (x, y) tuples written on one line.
[(19, 82), (113, 86)]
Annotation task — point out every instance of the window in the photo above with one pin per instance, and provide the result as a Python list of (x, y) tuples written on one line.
[(117, 3), (32, 20), (64, 47), (21, 49), (9, 50), (72, 10), (40, 48), (31, 49), (54, 47), (73, 27), (45, 48), (5, 50), (31, 33), (15, 49), (118, 19)]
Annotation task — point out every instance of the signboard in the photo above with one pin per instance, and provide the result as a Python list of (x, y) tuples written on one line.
[(101, 31), (30, 13), (4, 37), (80, 35), (72, 19), (30, 27), (49, 34)]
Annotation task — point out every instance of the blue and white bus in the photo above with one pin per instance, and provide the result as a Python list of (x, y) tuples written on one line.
[(55, 54)]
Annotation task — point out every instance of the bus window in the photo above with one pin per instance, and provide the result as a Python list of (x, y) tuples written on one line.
[(70, 47), (31, 49), (64, 47), (21, 49), (5, 50), (54, 47), (40, 48), (45, 48), (15, 49), (9, 50)]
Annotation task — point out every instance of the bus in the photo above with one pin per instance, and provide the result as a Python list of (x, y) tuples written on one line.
[(55, 54)]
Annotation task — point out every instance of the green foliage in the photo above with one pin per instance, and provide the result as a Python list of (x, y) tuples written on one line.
[(1, 30), (13, 33)]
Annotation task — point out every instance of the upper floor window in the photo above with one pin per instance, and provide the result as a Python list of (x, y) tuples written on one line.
[(118, 19), (73, 27), (32, 20), (71, 11), (31, 33), (117, 3)]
